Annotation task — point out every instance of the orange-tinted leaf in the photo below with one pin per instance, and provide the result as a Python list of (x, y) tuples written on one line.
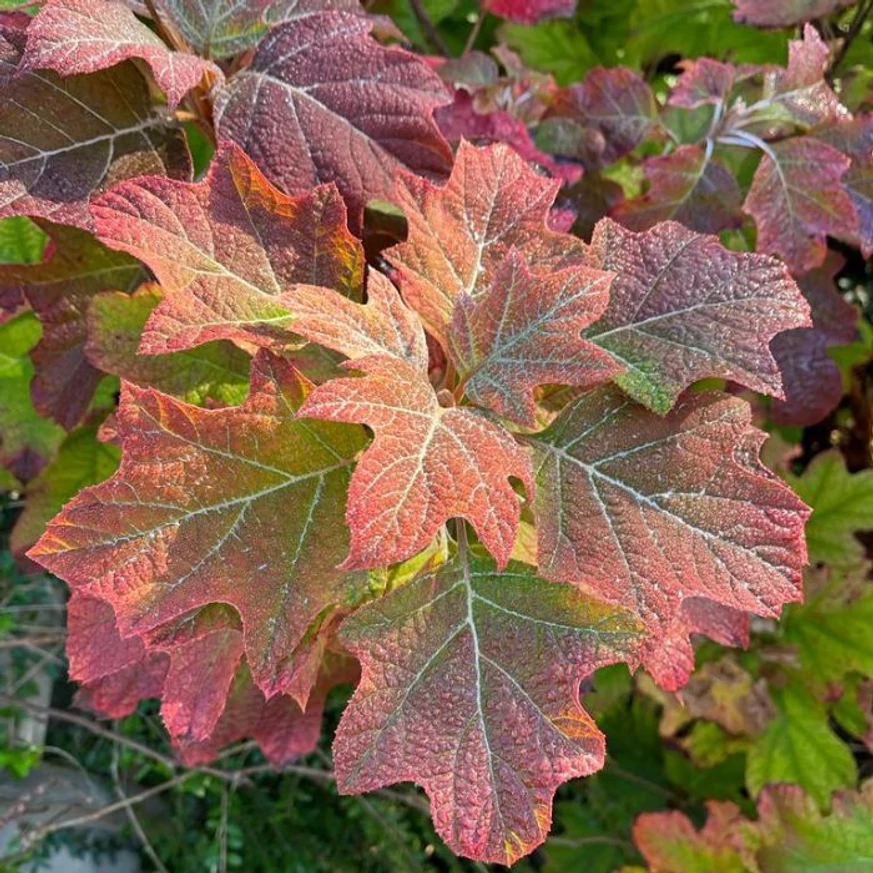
[(60, 289), (241, 506), (83, 36), (427, 464), (459, 233), (470, 687), (525, 331), (649, 511), (688, 186), (224, 248), (64, 140), (683, 308), (797, 199), (322, 101)]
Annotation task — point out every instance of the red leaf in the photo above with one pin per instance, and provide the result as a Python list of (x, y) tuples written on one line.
[(83, 36), (465, 667), (63, 140), (239, 506), (688, 186), (385, 326), (60, 290), (702, 81), (683, 308), (349, 110), (524, 332), (224, 248), (459, 233), (785, 13), (648, 512), (427, 464), (530, 11), (797, 199)]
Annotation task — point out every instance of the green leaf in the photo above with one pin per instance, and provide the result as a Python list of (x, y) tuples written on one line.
[(799, 747), (21, 241), (556, 47), (842, 505)]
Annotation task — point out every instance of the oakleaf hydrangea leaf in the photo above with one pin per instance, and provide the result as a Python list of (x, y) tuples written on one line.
[(60, 289), (648, 511), (83, 36), (785, 13), (217, 371), (797, 199), (467, 667), (461, 232), (688, 186), (225, 247), (385, 325), (683, 308), (530, 11), (525, 331), (703, 81), (349, 110), (427, 464), (64, 140), (239, 506), (842, 505)]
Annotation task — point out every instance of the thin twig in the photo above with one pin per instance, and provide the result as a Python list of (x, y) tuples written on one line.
[(430, 31), (474, 32), (861, 15)]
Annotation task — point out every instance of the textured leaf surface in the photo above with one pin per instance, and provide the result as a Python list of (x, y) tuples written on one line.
[(224, 248), (461, 232), (530, 11), (60, 289), (27, 441), (221, 28), (702, 81), (427, 464), (239, 506), (688, 186), (63, 140), (784, 13), (216, 370), (470, 687), (842, 504), (525, 331), (797, 200), (349, 110), (384, 326), (683, 308), (21, 242), (799, 747), (649, 511), (83, 36)]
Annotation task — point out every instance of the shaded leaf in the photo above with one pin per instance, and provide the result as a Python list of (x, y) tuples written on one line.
[(84, 36), (683, 308), (688, 186), (427, 464), (349, 110), (225, 247), (797, 200), (469, 667), (648, 512), (703, 81), (240, 506), (216, 370), (785, 13), (64, 140), (459, 233), (525, 332)]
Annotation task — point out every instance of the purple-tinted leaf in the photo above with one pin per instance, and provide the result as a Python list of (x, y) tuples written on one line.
[(785, 13), (530, 11), (702, 81)]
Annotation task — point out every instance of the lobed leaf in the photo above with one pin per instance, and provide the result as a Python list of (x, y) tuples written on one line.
[(84, 36), (461, 232), (321, 101), (525, 331), (468, 667), (427, 464), (684, 308), (648, 512), (239, 506), (64, 140), (225, 248)]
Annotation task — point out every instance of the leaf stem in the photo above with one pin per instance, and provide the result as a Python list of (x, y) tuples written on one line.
[(861, 14), (474, 32), (430, 31)]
